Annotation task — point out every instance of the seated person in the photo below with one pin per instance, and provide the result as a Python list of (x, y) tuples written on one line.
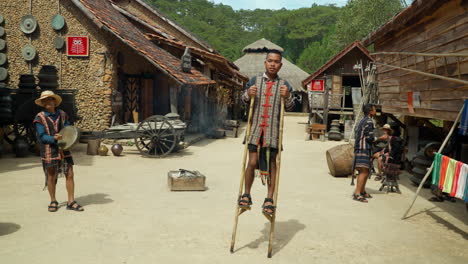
[(380, 149), (391, 154)]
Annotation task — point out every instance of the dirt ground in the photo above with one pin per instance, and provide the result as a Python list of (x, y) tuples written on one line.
[(131, 217)]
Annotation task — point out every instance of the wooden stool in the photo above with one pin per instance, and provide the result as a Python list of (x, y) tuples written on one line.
[(391, 175), (316, 130)]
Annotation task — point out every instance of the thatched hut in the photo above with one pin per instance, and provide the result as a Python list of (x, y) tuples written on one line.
[(251, 64)]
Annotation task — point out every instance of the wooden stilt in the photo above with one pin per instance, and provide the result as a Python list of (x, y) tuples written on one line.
[(272, 219), (239, 210)]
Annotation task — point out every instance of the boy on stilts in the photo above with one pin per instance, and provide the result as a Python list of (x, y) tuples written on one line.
[(267, 89)]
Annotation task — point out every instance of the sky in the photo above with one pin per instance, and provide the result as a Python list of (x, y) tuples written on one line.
[(276, 4)]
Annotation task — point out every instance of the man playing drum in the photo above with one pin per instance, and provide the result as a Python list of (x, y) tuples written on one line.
[(55, 161)]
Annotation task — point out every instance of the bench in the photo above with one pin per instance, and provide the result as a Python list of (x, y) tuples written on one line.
[(317, 130)]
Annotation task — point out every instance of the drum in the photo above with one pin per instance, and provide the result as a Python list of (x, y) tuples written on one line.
[(340, 160), (70, 136)]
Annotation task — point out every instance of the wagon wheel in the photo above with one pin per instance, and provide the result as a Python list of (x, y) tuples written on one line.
[(20, 130), (155, 137)]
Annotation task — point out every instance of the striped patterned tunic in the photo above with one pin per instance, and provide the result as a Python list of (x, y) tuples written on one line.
[(51, 155), (266, 116), (364, 134)]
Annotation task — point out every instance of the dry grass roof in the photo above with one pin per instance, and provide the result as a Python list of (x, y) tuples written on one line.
[(252, 64), (262, 45)]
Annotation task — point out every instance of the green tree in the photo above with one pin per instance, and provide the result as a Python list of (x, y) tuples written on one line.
[(361, 17), (309, 36), (318, 53)]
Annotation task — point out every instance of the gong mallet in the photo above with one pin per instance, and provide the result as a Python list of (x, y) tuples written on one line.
[(239, 210), (278, 168)]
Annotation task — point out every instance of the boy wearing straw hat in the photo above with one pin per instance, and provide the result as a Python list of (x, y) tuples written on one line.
[(267, 88), (54, 160)]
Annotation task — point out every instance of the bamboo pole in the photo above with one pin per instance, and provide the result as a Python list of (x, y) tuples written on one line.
[(430, 168), (278, 168), (241, 186)]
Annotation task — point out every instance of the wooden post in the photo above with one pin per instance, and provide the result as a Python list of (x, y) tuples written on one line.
[(187, 107), (326, 102), (173, 98)]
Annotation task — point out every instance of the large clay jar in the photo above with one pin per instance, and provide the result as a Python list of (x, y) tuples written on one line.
[(103, 150), (116, 149)]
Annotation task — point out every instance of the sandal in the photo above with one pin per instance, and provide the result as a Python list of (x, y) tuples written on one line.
[(366, 195), (53, 207), (244, 203), (268, 207), (359, 198), (78, 207)]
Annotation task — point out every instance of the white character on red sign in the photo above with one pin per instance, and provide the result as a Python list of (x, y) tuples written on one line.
[(78, 46)]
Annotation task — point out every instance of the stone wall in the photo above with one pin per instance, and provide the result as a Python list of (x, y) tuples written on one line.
[(93, 77)]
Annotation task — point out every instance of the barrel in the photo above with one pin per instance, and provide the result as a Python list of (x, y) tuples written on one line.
[(340, 160), (48, 77)]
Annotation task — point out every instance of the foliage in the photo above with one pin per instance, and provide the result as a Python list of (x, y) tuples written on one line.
[(361, 17), (309, 36)]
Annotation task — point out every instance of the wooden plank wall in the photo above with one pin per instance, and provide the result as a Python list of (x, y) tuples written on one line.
[(445, 31)]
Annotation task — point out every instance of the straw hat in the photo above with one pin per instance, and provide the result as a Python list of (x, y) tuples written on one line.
[(47, 94), (387, 127)]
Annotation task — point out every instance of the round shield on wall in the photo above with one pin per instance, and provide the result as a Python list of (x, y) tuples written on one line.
[(28, 52), (2, 31), (59, 43), (3, 74), (2, 44), (57, 22), (28, 24), (3, 58)]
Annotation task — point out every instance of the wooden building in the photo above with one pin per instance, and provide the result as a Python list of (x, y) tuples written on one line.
[(423, 39), (133, 68), (339, 78), (422, 63)]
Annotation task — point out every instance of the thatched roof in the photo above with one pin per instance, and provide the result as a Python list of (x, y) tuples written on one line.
[(251, 64), (262, 45)]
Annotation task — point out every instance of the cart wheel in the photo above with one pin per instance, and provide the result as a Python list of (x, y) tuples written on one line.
[(20, 130), (155, 137)]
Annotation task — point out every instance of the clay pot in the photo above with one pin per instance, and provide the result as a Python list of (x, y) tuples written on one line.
[(103, 150), (116, 149)]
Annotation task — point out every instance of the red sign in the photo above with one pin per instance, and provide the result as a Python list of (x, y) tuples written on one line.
[(78, 46), (317, 85)]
